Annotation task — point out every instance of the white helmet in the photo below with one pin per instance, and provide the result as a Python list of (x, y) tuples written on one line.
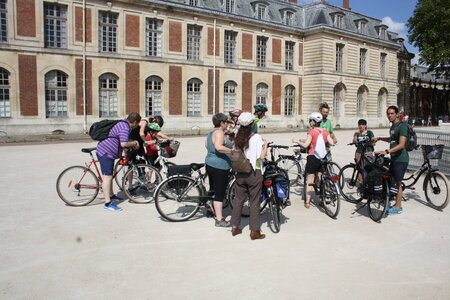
[(246, 119), (315, 116)]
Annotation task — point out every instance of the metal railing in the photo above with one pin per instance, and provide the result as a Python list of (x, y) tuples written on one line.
[(428, 137)]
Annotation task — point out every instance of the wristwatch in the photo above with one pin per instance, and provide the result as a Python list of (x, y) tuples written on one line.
[(387, 151)]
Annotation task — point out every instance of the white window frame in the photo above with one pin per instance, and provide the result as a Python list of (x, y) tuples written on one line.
[(288, 17), (153, 96), (382, 97), (153, 37), (340, 57), (3, 21), (55, 94), (289, 52), (262, 92), (108, 95), (362, 27), (383, 59), (229, 96), (362, 61), (338, 21), (383, 33), (194, 97), (107, 31), (289, 100), (193, 42), (5, 94), (337, 100), (360, 102), (261, 51), (261, 11), (229, 6), (229, 47), (55, 25)]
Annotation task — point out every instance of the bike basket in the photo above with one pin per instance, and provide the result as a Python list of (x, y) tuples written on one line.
[(178, 170), (432, 151), (169, 149)]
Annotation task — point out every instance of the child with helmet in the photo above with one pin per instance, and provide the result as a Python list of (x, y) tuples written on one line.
[(151, 151), (260, 112)]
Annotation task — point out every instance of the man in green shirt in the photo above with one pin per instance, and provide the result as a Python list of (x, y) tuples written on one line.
[(324, 109), (398, 134)]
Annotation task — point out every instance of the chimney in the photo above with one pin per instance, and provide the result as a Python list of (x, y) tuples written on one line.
[(346, 4), (293, 1)]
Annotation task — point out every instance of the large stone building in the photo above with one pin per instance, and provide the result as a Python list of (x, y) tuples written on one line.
[(66, 64)]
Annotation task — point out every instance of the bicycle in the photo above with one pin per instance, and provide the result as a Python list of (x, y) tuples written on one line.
[(79, 185), (435, 183), (293, 164)]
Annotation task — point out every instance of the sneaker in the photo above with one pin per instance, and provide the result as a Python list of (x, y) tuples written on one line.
[(112, 206), (222, 223), (394, 211), (116, 198)]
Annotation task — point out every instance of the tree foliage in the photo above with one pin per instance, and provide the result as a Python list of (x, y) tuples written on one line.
[(429, 30)]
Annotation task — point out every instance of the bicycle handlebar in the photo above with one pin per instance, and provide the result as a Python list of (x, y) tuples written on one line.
[(272, 145)]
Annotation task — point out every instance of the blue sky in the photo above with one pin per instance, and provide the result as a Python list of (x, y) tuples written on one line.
[(394, 13)]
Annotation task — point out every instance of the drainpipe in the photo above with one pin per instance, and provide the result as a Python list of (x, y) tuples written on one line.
[(84, 69), (214, 68)]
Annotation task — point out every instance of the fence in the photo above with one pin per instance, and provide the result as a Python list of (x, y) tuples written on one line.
[(427, 137)]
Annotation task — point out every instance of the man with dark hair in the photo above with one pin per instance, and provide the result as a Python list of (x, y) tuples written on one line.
[(324, 109), (110, 149), (399, 156)]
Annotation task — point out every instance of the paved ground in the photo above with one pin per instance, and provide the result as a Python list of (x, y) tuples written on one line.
[(52, 251)]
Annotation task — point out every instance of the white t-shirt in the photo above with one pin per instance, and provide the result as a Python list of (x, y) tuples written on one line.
[(253, 152)]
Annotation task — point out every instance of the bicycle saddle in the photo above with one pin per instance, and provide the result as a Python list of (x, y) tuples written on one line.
[(196, 167), (88, 150)]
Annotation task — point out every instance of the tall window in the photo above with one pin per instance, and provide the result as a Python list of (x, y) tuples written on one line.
[(55, 94), (193, 2), (153, 102), (229, 6), (289, 100), (261, 93), (194, 96), (108, 31), (288, 18), (108, 95), (289, 55), (5, 103), (360, 101), (362, 27), (338, 21), (3, 22), (382, 95), (383, 33), (55, 28), (383, 65), (230, 47), (339, 57), (338, 95), (261, 48), (362, 61), (153, 37), (229, 96), (260, 11), (193, 42)]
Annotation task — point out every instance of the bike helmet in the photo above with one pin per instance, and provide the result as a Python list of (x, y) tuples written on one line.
[(260, 108), (154, 127), (315, 116), (159, 120), (235, 113), (246, 119)]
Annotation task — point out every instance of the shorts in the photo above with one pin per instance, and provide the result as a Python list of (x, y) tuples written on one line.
[(312, 164), (151, 160), (398, 170), (106, 165)]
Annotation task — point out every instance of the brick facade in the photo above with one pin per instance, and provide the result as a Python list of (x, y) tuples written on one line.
[(79, 25), (211, 94), (132, 89), (300, 54), (247, 87), (132, 31), (79, 86), (26, 18), (211, 41), (276, 51), (276, 94), (175, 37), (28, 85), (300, 96), (247, 46), (175, 88)]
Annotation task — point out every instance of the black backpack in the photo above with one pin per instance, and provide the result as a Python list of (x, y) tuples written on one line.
[(99, 131), (411, 139)]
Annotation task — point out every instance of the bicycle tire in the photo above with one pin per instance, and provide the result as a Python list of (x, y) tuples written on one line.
[(292, 167), (350, 187), (439, 179), (275, 212), (77, 186), (139, 183), (330, 197), (119, 173), (177, 198), (377, 205), (333, 168), (246, 206)]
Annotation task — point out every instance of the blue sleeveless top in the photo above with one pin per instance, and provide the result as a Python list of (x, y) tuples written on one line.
[(214, 158)]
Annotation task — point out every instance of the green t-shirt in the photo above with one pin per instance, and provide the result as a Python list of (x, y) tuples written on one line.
[(362, 137), (402, 155), (327, 125)]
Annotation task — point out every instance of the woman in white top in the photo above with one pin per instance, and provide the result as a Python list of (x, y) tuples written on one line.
[(255, 149)]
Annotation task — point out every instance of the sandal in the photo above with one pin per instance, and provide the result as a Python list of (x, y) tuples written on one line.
[(307, 205)]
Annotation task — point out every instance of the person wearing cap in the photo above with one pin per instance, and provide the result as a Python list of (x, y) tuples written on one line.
[(312, 162), (362, 135), (324, 110), (218, 165), (249, 185), (260, 112), (151, 151)]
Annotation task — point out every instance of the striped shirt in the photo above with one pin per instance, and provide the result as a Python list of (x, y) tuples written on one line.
[(111, 146)]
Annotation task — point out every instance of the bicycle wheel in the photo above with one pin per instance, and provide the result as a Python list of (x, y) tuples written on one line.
[(350, 184), (333, 168), (330, 197), (178, 198), (139, 183), (119, 171), (231, 193), (275, 211), (77, 186), (435, 187), (378, 204), (292, 168)]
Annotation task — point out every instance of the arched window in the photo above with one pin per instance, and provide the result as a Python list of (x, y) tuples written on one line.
[(5, 103), (153, 99), (261, 93), (55, 94), (229, 96), (108, 99), (194, 96), (382, 97), (361, 99), (338, 99), (289, 100)]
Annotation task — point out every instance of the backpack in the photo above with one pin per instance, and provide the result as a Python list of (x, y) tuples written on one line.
[(320, 151), (411, 139), (99, 131), (240, 163)]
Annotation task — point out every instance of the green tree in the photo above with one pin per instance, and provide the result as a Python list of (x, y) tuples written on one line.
[(429, 30)]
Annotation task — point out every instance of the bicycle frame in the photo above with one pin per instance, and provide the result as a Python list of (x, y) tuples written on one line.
[(426, 167)]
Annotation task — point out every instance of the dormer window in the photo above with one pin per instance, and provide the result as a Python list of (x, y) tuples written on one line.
[(382, 31), (338, 19), (361, 24), (193, 2), (228, 6), (288, 17), (260, 8)]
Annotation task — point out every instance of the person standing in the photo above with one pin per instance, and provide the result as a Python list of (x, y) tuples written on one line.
[(398, 134), (260, 112), (218, 164), (362, 135), (110, 149), (324, 110), (255, 150)]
